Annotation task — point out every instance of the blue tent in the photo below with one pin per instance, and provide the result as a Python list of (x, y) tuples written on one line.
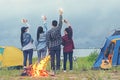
[(116, 51)]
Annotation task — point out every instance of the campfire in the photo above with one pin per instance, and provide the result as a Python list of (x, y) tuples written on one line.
[(37, 69)]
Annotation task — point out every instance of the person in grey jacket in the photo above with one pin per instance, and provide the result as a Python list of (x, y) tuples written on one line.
[(54, 42), (27, 46), (41, 40)]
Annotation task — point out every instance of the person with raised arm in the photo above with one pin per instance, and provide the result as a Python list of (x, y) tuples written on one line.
[(54, 41), (68, 46), (27, 44), (41, 40)]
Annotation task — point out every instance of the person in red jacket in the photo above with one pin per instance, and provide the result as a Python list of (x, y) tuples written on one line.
[(68, 45)]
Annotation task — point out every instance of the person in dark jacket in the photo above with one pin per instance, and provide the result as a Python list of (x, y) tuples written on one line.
[(54, 41), (68, 46)]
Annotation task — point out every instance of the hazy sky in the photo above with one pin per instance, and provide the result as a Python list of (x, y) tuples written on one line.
[(92, 20)]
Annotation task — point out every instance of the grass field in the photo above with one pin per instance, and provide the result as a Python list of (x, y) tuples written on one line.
[(82, 71)]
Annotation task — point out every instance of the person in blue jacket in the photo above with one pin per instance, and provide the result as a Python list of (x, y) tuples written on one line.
[(41, 40), (27, 46)]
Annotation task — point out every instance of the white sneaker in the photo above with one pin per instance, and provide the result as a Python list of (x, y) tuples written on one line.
[(64, 71), (52, 73)]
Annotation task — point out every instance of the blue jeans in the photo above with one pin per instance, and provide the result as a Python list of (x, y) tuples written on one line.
[(41, 53), (27, 53), (70, 55), (55, 52)]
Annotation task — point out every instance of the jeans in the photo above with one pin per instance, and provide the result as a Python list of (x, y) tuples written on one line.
[(27, 53), (55, 52), (41, 53), (70, 55)]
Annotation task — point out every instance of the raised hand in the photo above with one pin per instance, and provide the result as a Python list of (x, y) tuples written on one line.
[(24, 21), (44, 18), (60, 11), (65, 21)]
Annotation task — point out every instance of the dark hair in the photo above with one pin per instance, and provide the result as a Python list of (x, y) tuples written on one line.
[(39, 31), (54, 23), (69, 33), (23, 30)]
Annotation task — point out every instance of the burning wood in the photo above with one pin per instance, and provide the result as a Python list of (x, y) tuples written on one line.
[(37, 69)]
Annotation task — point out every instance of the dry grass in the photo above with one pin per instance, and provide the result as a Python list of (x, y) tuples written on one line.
[(82, 71), (75, 75)]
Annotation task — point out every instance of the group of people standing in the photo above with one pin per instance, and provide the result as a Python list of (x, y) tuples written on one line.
[(50, 40)]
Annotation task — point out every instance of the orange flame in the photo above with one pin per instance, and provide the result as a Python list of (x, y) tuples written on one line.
[(39, 69)]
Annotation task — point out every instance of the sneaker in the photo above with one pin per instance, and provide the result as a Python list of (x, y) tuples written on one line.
[(52, 73), (64, 71), (24, 67)]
